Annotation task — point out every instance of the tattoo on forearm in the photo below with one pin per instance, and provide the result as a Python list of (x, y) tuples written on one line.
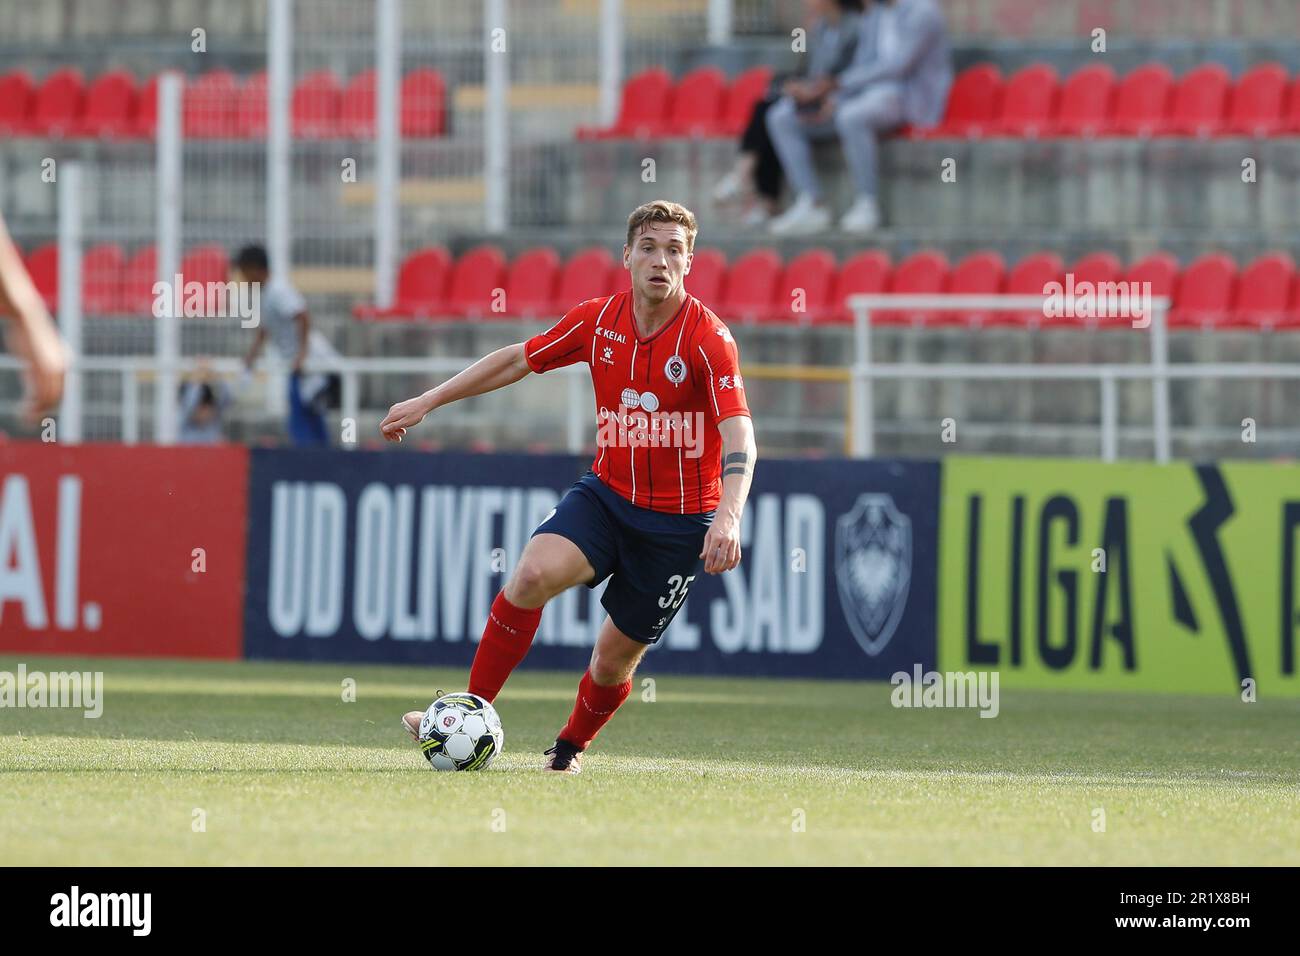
[(737, 463)]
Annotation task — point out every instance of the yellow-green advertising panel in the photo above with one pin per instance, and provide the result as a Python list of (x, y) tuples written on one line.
[(1065, 573)]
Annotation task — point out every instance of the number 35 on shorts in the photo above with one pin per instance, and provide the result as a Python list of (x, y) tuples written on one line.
[(677, 588)]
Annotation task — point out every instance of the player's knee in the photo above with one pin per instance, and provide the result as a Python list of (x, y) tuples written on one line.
[(609, 671), (529, 585)]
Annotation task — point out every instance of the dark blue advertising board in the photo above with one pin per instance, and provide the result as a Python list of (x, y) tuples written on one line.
[(395, 558)]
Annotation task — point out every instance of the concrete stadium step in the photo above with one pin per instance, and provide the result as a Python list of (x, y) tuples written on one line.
[(1065, 185)]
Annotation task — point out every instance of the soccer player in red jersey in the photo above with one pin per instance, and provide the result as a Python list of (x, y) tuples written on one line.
[(674, 460)]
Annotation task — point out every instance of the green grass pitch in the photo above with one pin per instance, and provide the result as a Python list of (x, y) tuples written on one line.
[(709, 772)]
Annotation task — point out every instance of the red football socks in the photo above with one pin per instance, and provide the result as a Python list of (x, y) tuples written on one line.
[(506, 639), (592, 710)]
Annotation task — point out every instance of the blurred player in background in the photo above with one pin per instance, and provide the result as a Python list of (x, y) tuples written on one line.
[(31, 333), (675, 457), (285, 320)]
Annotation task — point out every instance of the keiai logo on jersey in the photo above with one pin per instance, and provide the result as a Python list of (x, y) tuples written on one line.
[(675, 370), (873, 569)]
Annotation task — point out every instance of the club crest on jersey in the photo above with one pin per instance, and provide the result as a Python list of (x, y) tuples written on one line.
[(675, 370)]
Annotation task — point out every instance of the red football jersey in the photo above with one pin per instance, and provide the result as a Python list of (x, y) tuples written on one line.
[(658, 399)]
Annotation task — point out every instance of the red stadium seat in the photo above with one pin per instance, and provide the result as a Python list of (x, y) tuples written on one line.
[(16, 92), (1028, 102), (1030, 276), (695, 106), (866, 273), (421, 283), (56, 108), (1142, 101), (209, 110), (924, 272), (973, 103), (144, 119), (110, 105), (745, 91), (1087, 99), (357, 106), (591, 273), (43, 267), (315, 105), (643, 110), (140, 274), (424, 109), (1160, 270), (103, 269), (1205, 291), (1257, 102), (1097, 270), (704, 281), (475, 278), (207, 263), (1263, 293), (1291, 108), (749, 289), (530, 283), (250, 109), (1199, 102), (980, 273), (1291, 319), (803, 293)]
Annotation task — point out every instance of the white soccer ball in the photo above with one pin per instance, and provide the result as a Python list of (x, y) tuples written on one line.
[(461, 732)]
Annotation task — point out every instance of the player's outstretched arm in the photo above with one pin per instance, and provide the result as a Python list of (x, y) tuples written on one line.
[(33, 334), (739, 453), (496, 370)]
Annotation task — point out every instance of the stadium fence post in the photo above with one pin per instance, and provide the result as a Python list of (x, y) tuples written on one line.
[(1109, 417), (350, 400), (388, 145), (279, 83), (611, 59), (720, 16), (167, 325), (1160, 379), (863, 413), (496, 146), (71, 411)]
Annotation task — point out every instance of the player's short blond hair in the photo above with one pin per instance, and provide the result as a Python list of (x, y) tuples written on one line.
[(661, 210)]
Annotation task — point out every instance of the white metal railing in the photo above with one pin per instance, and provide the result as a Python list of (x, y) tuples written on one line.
[(134, 369), (864, 372)]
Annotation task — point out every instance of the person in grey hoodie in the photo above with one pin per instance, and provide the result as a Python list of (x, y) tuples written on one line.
[(828, 47), (901, 74)]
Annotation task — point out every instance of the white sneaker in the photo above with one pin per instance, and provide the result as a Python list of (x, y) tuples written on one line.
[(730, 188), (863, 216), (756, 216), (804, 217)]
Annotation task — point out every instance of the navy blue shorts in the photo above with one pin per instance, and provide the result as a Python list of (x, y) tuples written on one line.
[(650, 557)]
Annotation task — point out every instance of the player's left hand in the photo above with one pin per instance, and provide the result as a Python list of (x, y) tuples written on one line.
[(721, 545)]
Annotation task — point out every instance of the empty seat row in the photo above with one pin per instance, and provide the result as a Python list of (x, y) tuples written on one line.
[(114, 284), (216, 104), (1033, 102), (703, 103), (812, 287)]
